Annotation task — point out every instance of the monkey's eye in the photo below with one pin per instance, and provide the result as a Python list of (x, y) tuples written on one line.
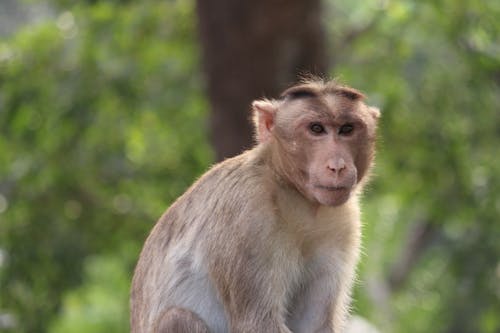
[(317, 128), (346, 129)]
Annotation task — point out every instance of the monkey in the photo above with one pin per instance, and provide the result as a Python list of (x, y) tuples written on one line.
[(267, 241)]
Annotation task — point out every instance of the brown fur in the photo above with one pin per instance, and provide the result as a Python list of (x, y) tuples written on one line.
[(266, 241)]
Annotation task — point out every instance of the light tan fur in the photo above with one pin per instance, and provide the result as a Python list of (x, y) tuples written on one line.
[(267, 241)]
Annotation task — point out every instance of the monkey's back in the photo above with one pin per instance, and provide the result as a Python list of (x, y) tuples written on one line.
[(173, 269)]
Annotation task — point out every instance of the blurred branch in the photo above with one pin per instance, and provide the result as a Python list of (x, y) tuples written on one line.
[(417, 241)]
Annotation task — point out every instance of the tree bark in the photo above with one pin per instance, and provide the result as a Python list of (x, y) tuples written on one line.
[(253, 49)]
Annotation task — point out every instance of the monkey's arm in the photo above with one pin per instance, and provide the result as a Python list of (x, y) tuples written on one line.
[(253, 281)]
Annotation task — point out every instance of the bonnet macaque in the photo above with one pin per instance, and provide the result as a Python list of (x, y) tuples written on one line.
[(266, 241)]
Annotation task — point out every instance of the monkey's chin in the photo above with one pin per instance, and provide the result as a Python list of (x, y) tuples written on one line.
[(331, 196)]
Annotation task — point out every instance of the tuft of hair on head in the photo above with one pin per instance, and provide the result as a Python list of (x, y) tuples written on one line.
[(315, 86)]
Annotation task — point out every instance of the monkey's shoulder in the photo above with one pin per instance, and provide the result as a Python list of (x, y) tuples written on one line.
[(235, 178), (225, 191)]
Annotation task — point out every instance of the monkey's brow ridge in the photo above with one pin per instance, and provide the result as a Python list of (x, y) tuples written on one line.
[(299, 92), (350, 93)]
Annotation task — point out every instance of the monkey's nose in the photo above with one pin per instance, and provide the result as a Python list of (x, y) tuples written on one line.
[(336, 165)]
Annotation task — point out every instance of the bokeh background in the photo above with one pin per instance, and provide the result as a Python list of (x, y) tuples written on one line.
[(110, 109)]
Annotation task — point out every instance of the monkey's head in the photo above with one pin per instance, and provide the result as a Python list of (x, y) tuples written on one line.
[(321, 137)]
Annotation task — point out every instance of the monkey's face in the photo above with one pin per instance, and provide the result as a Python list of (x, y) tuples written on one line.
[(329, 148), (328, 172)]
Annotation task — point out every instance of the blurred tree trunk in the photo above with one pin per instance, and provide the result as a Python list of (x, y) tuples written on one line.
[(253, 49)]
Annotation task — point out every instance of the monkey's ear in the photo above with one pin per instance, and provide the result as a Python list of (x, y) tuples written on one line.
[(263, 119), (374, 111)]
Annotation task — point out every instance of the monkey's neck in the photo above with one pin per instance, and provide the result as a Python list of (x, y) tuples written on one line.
[(312, 225), (280, 173), (282, 170)]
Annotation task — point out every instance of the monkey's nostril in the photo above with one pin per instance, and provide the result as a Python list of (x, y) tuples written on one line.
[(336, 165), (337, 171)]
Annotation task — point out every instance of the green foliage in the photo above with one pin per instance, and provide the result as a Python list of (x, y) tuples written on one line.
[(101, 304), (92, 109)]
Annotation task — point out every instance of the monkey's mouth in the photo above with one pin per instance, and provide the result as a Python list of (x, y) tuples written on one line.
[(331, 195), (332, 188)]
